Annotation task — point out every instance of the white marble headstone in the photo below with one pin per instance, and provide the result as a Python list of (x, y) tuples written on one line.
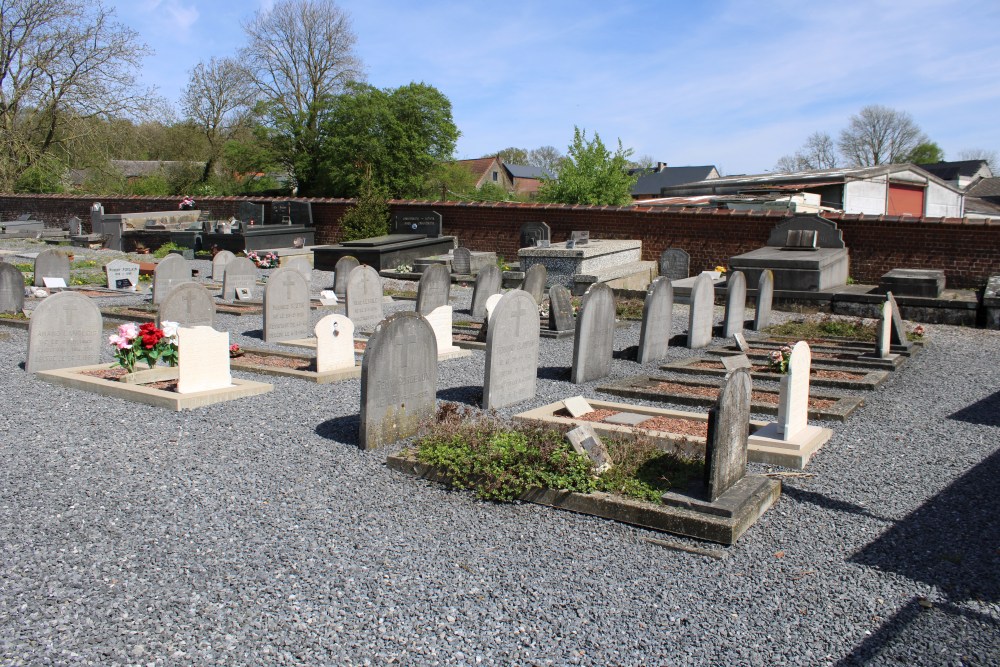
[(793, 400), (441, 321), (334, 343), (491, 303), (203, 360), (883, 342)]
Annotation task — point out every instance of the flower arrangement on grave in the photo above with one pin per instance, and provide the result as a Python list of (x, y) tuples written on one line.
[(918, 331), (268, 260), (235, 351), (777, 360), (720, 269), (148, 343)]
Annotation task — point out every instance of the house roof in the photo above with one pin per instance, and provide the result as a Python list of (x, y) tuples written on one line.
[(139, 168), (982, 206), (951, 171), (652, 183), (524, 171), (477, 166), (985, 187)]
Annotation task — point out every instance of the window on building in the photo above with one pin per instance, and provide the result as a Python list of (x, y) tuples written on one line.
[(495, 176)]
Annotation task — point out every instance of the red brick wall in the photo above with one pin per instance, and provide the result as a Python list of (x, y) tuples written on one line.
[(969, 252)]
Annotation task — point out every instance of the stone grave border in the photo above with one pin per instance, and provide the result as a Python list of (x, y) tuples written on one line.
[(14, 322), (310, 344), (859, 361), (853, 344), (327, 377), (170, 400), (870, 378)]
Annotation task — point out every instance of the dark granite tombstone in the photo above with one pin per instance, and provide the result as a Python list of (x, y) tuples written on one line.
[(342, 272), (657, 320), (398, 380), (11, 289), (595, 335), (188, 304), (434, 288), (928, 283), (560, 309), (65, 330), (805, 267), (291, 213), (51, 264), (488, 282), (736, 304), (532, 232), (534, 281), (461, 262), (248, 211), (426, 223), (364, 298), (511, 351), (412, 235), (675, 264), (765, 296)]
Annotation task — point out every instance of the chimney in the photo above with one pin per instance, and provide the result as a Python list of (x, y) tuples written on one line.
[(660, 166)]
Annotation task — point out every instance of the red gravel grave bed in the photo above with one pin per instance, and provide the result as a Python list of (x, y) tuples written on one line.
[(88, 292), (713, 392), (692, 427), (115, 373), (469, 337), (816, 373), (274, 361), (360, 345)]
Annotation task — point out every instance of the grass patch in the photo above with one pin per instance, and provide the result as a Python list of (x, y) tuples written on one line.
[(24, 267), (88, 278), (854, 329), (13, 316), (501, 461), (629, 309), (409, 294), (84, 264), (165, 249)]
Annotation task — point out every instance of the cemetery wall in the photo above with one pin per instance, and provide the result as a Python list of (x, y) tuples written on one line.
[(968, 251)]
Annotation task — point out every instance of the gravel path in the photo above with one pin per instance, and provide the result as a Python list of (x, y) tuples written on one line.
[(255, 532)]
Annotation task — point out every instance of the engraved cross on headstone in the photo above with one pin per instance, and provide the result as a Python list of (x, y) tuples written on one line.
[(401, 348), (517, 315), (289, 287)]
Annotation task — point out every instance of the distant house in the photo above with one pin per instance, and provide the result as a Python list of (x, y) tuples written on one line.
[(527, 179), (982, 199), (652, 180), (511, 177), (960, 173), (888, 189)]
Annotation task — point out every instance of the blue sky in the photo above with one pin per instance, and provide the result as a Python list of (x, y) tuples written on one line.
[(736, 84)]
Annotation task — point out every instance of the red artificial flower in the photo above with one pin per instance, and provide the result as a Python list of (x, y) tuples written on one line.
[(150, 335)]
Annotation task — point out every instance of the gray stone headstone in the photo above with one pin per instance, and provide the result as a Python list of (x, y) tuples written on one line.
[(399, 375), (657, 320), (898, 330), (532, 232), (595, 335), (534, 281), (220, 262), (728, 429), (560, 309), (122, 275), (240, 273), (461, 262), (765, 295), (301, 264), (488, 282), (64, 331), (364, 298), (736, 304), (434, 288), (51, 264), (341, 272), (511, 351), (580, 237), (675, 264), (75, 226), (170, 272), (286, 307), (11, 289), (188, 304), (702, 313)]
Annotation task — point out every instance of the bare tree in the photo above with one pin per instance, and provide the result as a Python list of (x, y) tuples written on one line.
[(300, 55), (60, 59), (879, 135), (818, 152), (218, 100), (981, 154), (546, 157)]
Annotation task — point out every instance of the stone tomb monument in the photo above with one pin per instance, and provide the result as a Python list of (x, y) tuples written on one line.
[(791, 441), (512, 345), (434, 288), (534, 282), (702, 312), (342, 271), (188, 304), (657, 320), (240, 274), (765, 296), (532, 233), (488, 282), (412, 235), (561, 310), (51, 264), (287, 314), (461, 262), (64, 332), (122, 275), (595, 335), (334, 344), (11, 289), (170, 272), (736, 304), (577, 266), (220, 262), (202, 360), (364, 298), (399, 375), (675, 264)]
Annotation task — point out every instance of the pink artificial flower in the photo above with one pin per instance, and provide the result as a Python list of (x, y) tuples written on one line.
[(128, 331), (120, 342)]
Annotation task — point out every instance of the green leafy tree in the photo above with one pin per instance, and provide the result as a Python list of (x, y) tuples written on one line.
[(591, 174), (925, 153), (448, 180), (369, 217)]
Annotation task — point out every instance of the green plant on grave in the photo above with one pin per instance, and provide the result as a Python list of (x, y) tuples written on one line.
[(165, 249), (643, 471), (87, 278), (501, 264), (404, 268), (24, 267), (629, 309)]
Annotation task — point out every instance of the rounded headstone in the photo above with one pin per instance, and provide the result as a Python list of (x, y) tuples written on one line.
[(702, 313), (736, 304), (434, 288), (240, 273), (765, 296), (188, 304), (287, 313), (560, 309), (488, 282), (534, 281), (170, 272), (675, 264), (334, 343), (657, 320), (219, 263), (593, 346), (461, 261), (511, 351), (11, 289), (51, 264), (341, 272), (64, 331), (364, 298), (729, 427)]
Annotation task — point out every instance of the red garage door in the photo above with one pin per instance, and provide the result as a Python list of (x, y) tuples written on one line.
[(905, 199)]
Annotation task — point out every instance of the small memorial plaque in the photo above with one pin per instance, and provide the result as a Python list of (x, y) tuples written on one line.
[(741, 342), (577, 406), (124, 283), (581, 238), (243, 294), (736, 361), (586, 441), (53, 282)]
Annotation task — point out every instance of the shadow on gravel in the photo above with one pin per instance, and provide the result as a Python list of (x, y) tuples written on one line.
[(557, 373), (826, 502), (470, 395), (985, 412), (629, 353), (255, 333), (341, 429)]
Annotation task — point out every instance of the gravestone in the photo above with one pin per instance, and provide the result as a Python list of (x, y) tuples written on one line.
[(188, 304), (595, 335), (248, 210), (765, 295), (532, 232), (364, 298), (286, 306), (657, 320), (122, 275), (702, 313), (512, 345), (728, 429), (434, 288), (883, 335), (11, 289), (560, 309), (202, 360), (675, 264), (461, 262), (736, 304), (240, 273), (488, 282), (220, 262), (534, 281), (341, 273), (170, 272), (793, 399), (301, 264), (587, 443), (741, 342), (732, 362), (334, 343), (51, 264), (441, 322), (580, 238), (64, 331), (898, 332), (491, 304), (398, 380), (75, 226)]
